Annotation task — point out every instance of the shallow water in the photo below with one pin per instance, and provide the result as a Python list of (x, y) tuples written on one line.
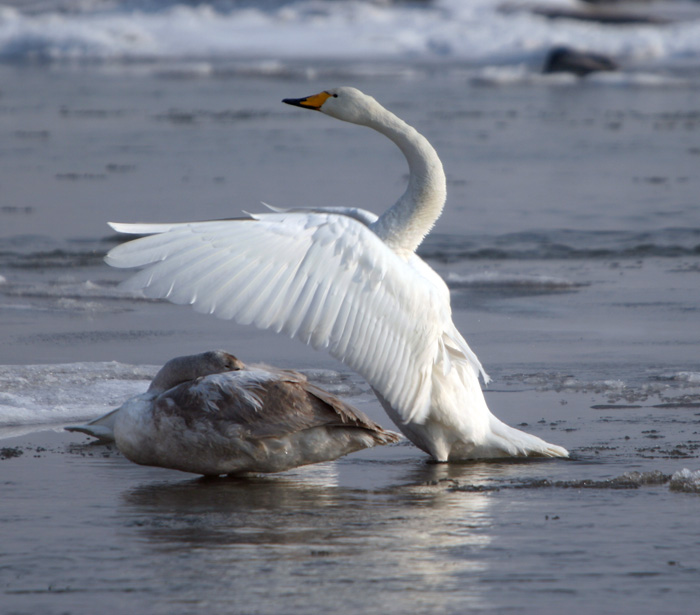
[(571, 243), (380, 530)]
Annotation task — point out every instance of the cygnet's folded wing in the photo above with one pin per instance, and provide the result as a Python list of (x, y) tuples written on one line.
[(262, 404)]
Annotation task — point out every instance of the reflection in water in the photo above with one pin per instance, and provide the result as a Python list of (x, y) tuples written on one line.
[(305, 538)]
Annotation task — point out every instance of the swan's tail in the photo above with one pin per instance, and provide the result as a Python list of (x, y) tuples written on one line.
[(101, 428), (516, 443)]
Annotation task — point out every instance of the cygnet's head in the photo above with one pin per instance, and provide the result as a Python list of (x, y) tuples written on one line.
[(344, 103), (190, 367), (216, 362)]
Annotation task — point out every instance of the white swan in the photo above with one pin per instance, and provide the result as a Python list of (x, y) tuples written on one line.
[(210, 414), (348, 281)]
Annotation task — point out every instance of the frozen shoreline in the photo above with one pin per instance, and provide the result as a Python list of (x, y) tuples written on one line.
[(273, 35)]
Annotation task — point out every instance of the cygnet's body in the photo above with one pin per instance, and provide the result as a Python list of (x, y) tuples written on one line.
[(214, 421)]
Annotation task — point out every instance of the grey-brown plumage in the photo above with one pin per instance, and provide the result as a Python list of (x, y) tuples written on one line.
[(174, 372), (189, 367), (246, 419)]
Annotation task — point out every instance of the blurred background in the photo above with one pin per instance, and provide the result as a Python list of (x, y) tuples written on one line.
[(498, 39)]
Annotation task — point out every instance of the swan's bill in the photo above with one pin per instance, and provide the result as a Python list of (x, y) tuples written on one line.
[(314, 102)]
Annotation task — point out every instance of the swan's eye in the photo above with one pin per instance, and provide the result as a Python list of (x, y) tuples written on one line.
[(334, 95)]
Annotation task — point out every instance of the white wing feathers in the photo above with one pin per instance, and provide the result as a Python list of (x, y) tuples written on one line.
[(323, 278), (149, 228), (362, 215)]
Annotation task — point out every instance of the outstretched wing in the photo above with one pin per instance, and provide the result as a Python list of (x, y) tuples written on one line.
[(323, 278)]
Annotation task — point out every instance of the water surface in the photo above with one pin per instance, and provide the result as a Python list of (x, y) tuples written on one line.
[(571, 244)]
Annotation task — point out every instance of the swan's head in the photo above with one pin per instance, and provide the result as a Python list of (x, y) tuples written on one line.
[(347, 104)]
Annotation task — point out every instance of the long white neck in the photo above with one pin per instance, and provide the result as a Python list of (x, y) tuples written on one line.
[(405, 224)]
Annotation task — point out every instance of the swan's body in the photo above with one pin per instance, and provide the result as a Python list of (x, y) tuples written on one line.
[(210, 414), (350, 282)]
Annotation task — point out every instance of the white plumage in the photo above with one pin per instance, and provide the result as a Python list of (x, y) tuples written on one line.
[(347, 281)]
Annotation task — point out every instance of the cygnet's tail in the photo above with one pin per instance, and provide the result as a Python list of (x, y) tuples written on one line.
[(516, 443), (101, 428)]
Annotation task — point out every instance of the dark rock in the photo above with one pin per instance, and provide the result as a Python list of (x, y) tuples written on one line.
[(581, 63), (8, 452), (602, 16)]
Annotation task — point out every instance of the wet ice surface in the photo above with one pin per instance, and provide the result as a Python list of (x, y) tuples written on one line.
[(580, 296), (382, 527)]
